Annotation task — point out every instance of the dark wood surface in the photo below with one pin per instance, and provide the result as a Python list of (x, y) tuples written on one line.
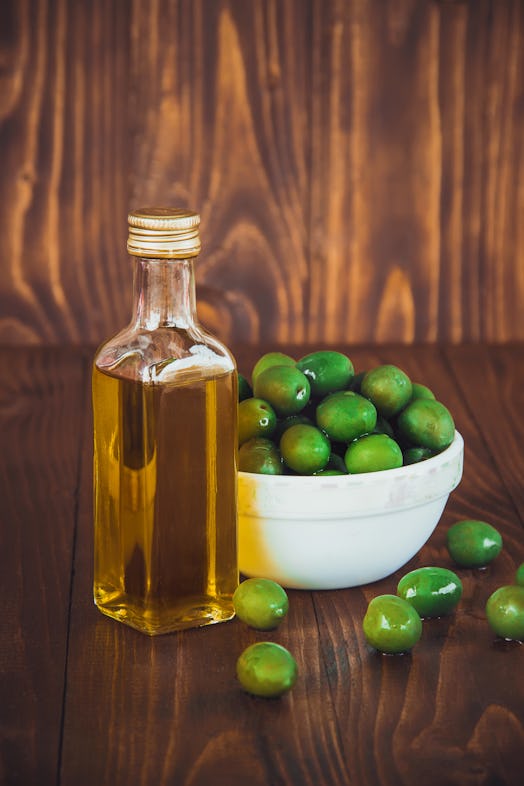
[(357, 164), (85, 700)]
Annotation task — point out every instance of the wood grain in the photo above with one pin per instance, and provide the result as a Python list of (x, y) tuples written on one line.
[(441, 715), (88, 701), (41, 397), (221, 122), (415, 155), (63, 137), (357, 164), (496, 404), (169, 710)]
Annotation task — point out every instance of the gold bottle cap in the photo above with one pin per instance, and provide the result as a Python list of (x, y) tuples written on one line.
[(163, 233)]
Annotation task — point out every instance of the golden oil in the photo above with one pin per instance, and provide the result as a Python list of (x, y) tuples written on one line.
[(165, 540)]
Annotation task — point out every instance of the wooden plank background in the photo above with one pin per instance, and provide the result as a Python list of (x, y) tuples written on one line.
[(358, 164)]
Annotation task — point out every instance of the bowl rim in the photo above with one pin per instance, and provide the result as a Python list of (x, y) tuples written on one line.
[(421, 468)]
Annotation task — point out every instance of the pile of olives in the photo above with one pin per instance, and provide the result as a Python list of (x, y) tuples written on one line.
[(392, 623), (315, 416)]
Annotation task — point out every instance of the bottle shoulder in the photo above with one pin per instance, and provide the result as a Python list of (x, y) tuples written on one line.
[(165, 354)]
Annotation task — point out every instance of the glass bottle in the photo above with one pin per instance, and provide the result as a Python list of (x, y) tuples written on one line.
[(165, 438)]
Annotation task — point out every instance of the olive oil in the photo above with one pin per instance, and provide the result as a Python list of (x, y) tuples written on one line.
[(165, 437), (165, 540)]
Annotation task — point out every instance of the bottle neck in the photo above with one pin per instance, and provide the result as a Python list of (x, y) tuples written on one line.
[(164, 293)]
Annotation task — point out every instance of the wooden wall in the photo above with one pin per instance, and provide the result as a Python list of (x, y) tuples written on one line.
[(358, 164)]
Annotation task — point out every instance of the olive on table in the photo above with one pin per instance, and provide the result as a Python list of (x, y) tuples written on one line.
[(373, 453), (505, 612), (432, 591), (327, 371), (472, 543), (346, 415), (266, 669), (256, 418), (260, 603), (260, 455), (391, 624), (305, 449), (519, 575), (286, 388), (388, 387)]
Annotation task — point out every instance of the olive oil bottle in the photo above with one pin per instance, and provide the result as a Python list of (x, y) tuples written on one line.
[(165, 435)]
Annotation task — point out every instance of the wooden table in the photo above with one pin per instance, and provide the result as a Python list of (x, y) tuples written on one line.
[(88, 702)]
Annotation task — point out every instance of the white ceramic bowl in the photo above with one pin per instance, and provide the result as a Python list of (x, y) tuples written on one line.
[(342, 530)]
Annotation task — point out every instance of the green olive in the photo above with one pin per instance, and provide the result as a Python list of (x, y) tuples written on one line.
[(415, 455), (305, 449), (266, 669), (431, 591), (327, 371), (388, 387), (244, 388), (268, 360), (421, 391), (505, 612), (356, 381), (336, 463), (260, 455), (472, 543), (292, 420), (519, 576), (256, 418), (427, 423), (346, 415), (260, 603), (373, 453), (285, 387), (391, 624), (384, 427)]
